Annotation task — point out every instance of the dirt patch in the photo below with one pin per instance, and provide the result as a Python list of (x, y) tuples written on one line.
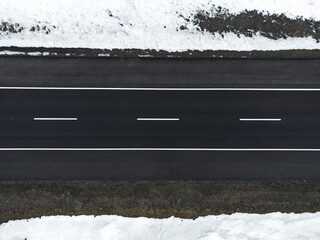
[(7, 28), (249, 23), (159, 199), (11, 28)]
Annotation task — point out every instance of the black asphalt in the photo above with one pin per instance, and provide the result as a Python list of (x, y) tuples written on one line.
[(208, 119), (132, 72), (204, 119)]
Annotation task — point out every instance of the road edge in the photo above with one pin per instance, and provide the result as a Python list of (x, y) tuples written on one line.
[(152, 53)]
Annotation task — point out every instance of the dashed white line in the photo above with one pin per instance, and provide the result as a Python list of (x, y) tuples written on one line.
[(55, 119), (261, 119), (158, 119)]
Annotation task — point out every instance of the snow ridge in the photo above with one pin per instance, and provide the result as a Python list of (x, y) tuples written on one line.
[(143, 24), (140, 24), (274, 226)]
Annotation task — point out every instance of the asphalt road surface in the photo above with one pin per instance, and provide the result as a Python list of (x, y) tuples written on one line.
[(197, 73), (230, 131), (160, 119)]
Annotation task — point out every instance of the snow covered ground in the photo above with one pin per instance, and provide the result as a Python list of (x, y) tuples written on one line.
[(141, 24), (237, 226)]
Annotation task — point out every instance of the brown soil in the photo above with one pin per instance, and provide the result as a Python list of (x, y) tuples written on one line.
[(159, 199), (250, 23)]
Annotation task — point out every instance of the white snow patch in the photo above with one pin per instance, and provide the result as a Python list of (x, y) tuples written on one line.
[(6, 52), (141, 24), (103, 55), (34, 53), (146, 56), (274, 226)]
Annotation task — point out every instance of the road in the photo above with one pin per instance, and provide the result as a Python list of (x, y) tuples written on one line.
[(160, 119), (197, 73), (234, 130)]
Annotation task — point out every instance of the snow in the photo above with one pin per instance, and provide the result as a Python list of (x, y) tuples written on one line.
[(7, 52), (103, 55), (11, 53), (142, 24), (242, 226)]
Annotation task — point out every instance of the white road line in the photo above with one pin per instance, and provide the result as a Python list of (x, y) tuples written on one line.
[(168, 149), (261, 119), (161, 89), (55, 119), (158, 119)]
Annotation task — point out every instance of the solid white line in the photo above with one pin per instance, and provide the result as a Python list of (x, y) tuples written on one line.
[(261, 119), (55, 119), (158, 119), (167, 149), (161, 89)]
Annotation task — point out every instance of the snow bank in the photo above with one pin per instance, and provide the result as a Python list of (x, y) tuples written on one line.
[(237, 226), (141, 24)]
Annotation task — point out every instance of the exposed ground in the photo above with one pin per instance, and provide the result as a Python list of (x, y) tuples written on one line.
[(159, 199), (217, 21), (150, 53), (9, 28), (250, 23)]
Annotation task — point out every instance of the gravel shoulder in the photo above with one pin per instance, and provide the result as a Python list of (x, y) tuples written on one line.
[(151, 53), (157, 199)]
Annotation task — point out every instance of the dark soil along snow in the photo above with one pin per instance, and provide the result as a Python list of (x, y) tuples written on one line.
[(151, 53), (250, 23), (159, 199), (9, 28), (216, 21)]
